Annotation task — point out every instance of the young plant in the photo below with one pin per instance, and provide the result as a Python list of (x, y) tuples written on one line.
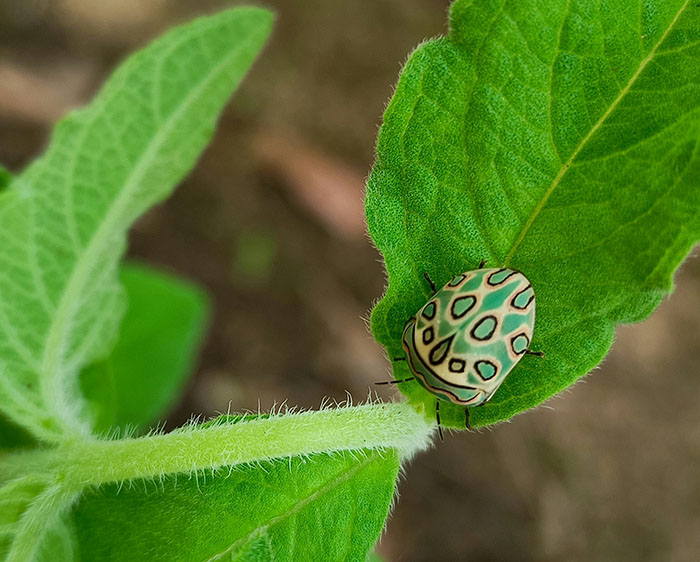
[(561, 141)]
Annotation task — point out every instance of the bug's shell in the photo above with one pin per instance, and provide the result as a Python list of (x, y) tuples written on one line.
[(465, 340)]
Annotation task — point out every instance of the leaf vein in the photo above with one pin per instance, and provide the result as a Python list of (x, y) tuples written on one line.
[(293, 510), (564, 169)]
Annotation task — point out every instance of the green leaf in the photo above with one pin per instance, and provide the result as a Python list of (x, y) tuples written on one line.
[(62, 474), (59, 542), (13, 436), (63, 221), (15, 497), (5, 177), (34, 507), (323, 507), (560, 138), (158, 341)]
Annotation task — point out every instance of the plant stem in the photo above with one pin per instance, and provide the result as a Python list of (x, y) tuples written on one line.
[(95, 462)]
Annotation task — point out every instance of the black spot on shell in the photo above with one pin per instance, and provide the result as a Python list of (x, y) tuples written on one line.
[(519, 295), (440, 351), (486, 369), (462, 305), (497, 277), (517, 340), (490, 323), (457, 365)]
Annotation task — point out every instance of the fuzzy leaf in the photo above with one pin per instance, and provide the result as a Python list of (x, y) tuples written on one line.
[(15, 497), (13, 436), (158, 340), (34, 522), (63, 221), (560, 138), (325, 507)]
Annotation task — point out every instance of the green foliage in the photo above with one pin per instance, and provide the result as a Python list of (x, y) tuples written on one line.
[(15, 497), (5, 177), (560, 138), (62, 225), (225, 477), (13, 436), (326, 507), (158, 339), (64, 219)]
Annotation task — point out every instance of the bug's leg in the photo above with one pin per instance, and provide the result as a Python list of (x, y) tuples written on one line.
[(538, 353), (430, 282), (398, 359), (396, 381), (466, 419), (437, 418), (482, 263)]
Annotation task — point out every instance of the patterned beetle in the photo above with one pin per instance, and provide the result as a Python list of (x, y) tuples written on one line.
[(464, 341)]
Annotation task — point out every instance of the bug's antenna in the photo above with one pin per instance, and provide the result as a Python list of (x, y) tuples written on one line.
[(395, 381), (437, 417), (538, 353), (430, 282), (482, 263)]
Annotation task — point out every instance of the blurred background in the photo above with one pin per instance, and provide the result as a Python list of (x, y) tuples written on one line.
[(271, 224)]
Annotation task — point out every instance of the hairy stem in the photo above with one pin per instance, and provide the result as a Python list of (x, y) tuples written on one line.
[(92, 463)]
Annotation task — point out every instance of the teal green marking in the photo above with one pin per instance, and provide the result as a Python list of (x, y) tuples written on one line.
[(429, 311), (427, 378), (464, 342), (497, 278), (522, 299), (486, 370), (500, 295), (520, 344), (511, 323), (439, 352), (485, 328), (462, 305)]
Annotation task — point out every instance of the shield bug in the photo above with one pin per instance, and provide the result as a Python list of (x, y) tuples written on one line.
[(462, 343)]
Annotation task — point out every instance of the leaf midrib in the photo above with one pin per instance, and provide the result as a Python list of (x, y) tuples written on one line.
[(567, 165), (296, 508), (51, 384)]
